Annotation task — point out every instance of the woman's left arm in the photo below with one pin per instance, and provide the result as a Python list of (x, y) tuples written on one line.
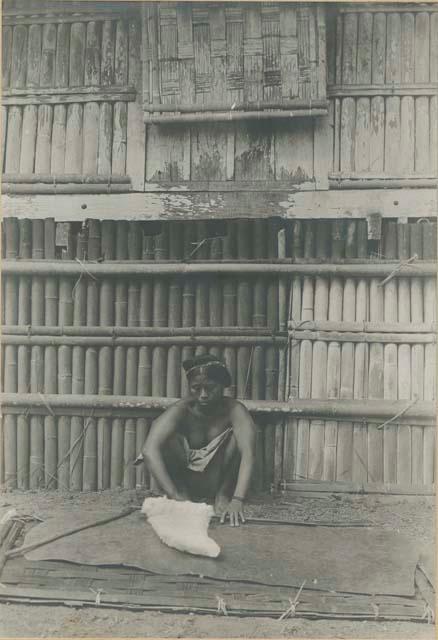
[(245, 434)]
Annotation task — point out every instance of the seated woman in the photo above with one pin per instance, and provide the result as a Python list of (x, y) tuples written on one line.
[(203, 446)]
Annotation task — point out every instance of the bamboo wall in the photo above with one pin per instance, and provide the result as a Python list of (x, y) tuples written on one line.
[(68, 83), (382, 80), (70, 451)]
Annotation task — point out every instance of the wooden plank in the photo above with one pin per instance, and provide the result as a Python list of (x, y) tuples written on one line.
[(136, 130), (375, 387), (353, 203), (254, 154), (294, 153), (28, 140), (6, 55), (19, 56)]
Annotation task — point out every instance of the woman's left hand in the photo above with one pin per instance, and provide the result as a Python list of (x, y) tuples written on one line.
[(234, 511)]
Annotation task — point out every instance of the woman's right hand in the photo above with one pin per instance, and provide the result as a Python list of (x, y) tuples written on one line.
[(181, 496)]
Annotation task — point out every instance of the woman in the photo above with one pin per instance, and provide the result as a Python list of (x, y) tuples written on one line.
[(203, 446)]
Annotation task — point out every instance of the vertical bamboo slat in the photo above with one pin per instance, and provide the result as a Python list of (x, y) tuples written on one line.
[(418, 356), (105, 364), (305, 373), (230, 306), (375, 384), (377, 134), (319, 358), (429, 306), (390, 374), (37, 363), (244, 311), (10, 372), (338, 436), (91, 109), (24, 318), (50, 360), (60, 110), (119, 372), (404, 448), (65, 371), (129, 445), (72, 467)]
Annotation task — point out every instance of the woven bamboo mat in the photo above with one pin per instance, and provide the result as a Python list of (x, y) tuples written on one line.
[(357, 560)]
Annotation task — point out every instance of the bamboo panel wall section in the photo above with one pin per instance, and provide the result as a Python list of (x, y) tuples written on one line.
[(67, 87), (382, 80), (375, 366), (202, 57), (77, 453)]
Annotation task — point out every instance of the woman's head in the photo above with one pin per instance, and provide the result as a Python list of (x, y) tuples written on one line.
[(207, 377)]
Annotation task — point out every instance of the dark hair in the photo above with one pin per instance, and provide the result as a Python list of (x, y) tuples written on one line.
[(212, 366)]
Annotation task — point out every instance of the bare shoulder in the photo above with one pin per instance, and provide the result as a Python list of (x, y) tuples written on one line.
[(177, 411), (238, 412)]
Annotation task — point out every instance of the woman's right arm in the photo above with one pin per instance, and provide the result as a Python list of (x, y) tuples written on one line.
[(165, 426)]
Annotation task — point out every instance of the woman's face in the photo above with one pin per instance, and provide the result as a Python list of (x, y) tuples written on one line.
[(205, 391)]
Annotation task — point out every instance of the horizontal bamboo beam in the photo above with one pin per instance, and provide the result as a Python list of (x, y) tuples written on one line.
[(170, 205), (336, 183), (97, 341), (64, 188), (236, 106), (379, 7), (347, 336), (108, 331), (63, 178), (365, 326), (372, 269), (231, 116), (370, 90), (359, 410), (19, 97), (307, 486)]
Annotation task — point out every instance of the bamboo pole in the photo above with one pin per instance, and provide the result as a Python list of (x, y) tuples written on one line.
[(360, 388), (50, 361), (24, 318), (390, 373), (338, 438), (65, 373), (283, 316), (305, 371), (10, 358), (229, 249), (429, 307), (119, 373), (72, 466), (375, 385), (120, 108), (319, 358), (30, 112), (404, 444), (37, 363), (83, 473), (294, 314), (215, 286), (189, 297), (91, 109), (173, 382), (376, 270), (129, 445), (105, 364), (272, 364), (202, 283), (259, 316), (79, 404), (244, 311), (418, 358)]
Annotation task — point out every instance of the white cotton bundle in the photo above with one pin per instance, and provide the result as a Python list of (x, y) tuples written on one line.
[(182, 525)]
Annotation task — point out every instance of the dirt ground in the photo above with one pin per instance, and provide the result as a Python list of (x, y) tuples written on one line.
[(414, 516)]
